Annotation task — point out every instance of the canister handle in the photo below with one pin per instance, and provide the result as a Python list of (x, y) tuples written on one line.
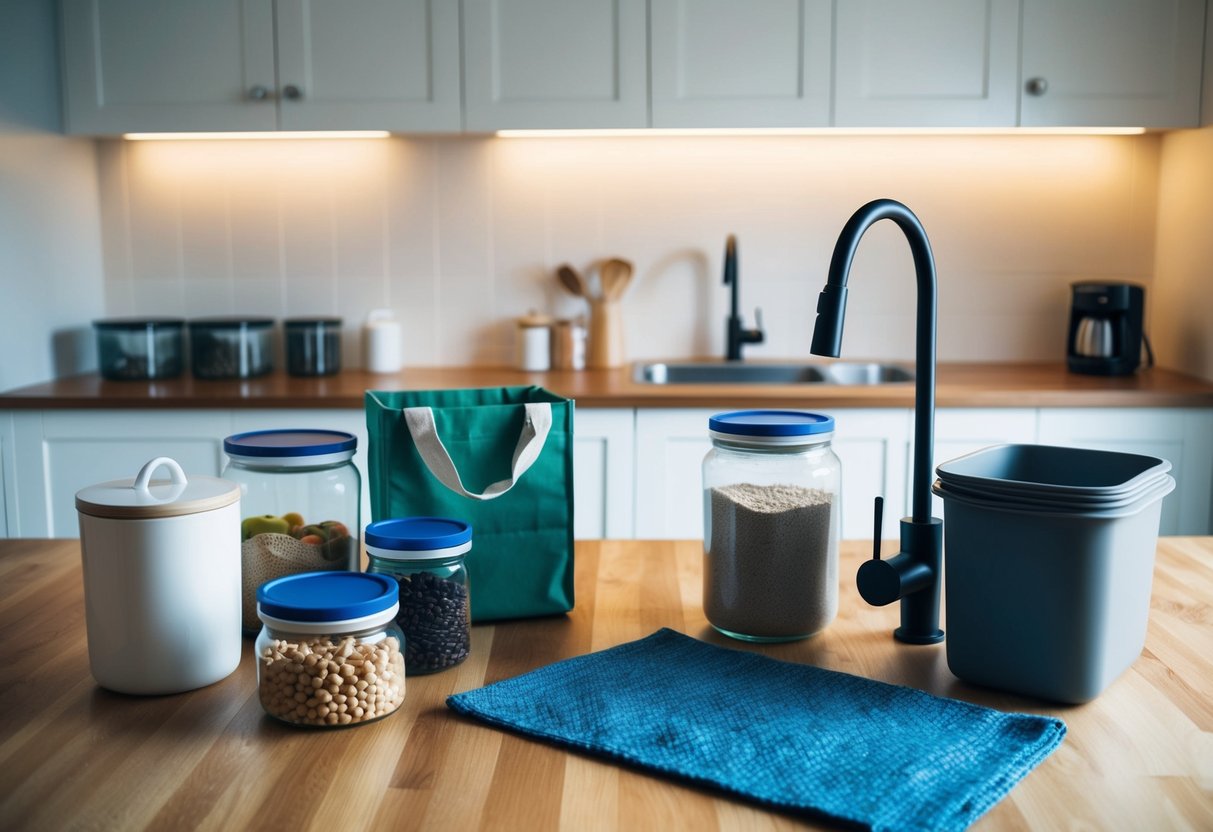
[(144, 477)]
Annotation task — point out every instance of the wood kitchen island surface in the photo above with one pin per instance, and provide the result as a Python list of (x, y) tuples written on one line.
[(957, 385), (72, 755)]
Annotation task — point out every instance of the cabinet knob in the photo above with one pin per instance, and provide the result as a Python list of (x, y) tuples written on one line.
[(292, 92), (1036, 86), (258, 93)]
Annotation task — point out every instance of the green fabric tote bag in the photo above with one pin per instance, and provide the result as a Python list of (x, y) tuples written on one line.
[(499, 458)]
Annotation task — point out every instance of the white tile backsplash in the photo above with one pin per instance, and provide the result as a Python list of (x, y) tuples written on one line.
[(460, 235)]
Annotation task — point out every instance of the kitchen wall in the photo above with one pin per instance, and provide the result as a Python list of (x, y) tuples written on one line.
[(459, 235), (50, 232), (1182, 303)]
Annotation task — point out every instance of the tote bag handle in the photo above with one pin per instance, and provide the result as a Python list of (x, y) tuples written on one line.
[(420, 421)]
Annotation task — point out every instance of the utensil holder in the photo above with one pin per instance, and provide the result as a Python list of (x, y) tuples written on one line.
[(606, 335)]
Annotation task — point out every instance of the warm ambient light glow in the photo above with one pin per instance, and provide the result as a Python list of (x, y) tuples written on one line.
[(824, 131), (309, 134)]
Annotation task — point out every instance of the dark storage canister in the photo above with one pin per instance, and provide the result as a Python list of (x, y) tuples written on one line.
[(425, 555), (139, 349), (231, 347), (313, 346)]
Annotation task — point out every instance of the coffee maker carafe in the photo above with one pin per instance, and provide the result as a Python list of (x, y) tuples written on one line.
[(1105, 328)]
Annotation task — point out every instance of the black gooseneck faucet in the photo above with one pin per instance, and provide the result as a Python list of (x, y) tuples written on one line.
[(735, 332), (913, 574)]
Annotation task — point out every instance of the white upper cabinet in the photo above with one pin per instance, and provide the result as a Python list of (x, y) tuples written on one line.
[(1112, 62), (927, 63), (720, 63), (555, 64), (369, 65), (135, 65), (209, 65)]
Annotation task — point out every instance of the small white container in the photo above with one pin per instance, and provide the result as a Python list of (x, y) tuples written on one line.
[(161, 580), (382, 341), (534, 342)]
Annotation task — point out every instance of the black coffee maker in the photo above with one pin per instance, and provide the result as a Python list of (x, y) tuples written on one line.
[(1106, 329)]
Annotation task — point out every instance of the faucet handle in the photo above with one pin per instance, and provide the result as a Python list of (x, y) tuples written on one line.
[(755, 335), (876, 531)]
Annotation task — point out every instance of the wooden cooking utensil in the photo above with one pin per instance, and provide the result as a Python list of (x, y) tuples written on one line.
[(571, 280), (615, 275), (606, 322)]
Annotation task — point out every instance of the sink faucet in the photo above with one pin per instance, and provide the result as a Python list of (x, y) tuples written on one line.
[(735, 333), (913, 574)]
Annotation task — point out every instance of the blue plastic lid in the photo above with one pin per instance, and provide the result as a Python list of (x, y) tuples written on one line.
[(418, 534), (289, 443), (327, 596), (771, 423)]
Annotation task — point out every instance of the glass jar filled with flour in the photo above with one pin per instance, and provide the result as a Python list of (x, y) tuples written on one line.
[(771, 520)]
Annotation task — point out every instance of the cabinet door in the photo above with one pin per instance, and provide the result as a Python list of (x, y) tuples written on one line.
[(1184, 437), (603, 447), (1112, 62), (148, 65), (555, 64), (720, 63), (59, 452), (960, 431), (369, 65), (930, 63), (671, 444)]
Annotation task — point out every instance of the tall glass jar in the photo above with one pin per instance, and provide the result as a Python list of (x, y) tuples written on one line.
[(300, 497), (425, 556), (771, 486), (330, 652)]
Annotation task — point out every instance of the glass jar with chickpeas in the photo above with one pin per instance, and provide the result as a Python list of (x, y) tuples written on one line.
[(329, 652)]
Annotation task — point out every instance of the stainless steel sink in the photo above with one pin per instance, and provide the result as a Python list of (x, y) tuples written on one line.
[(736, 372)]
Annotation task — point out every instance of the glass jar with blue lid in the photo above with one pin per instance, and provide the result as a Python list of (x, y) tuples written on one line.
[(300, 498), (425, 555), (329, 652), (771, 515)]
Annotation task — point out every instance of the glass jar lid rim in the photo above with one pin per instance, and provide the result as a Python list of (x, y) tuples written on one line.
[(758, 424), (138, 323), (418, 534), (278, 443), (327, 596), (292, 323), (230, 321)]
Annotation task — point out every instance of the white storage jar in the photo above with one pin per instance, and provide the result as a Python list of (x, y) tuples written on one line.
[(161, 580)]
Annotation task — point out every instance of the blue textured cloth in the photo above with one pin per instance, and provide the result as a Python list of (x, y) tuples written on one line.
[(787, 735)]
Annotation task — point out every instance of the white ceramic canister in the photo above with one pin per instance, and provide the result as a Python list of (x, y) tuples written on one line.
[(534, 344), (382, 339), (161, 580)]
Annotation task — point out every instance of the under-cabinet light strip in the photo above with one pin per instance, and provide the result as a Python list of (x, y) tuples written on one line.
[(301, 134), (825, 131)]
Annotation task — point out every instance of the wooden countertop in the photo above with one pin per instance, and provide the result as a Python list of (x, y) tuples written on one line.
[(957, 385), (73, 755)]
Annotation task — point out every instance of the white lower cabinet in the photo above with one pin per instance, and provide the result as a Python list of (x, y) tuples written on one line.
[(636, 471), (58, 452), (603, 472), (671, 444), (964, 430), (1183, 437)]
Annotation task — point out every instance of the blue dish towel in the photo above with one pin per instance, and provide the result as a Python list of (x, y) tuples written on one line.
[(786, 735)]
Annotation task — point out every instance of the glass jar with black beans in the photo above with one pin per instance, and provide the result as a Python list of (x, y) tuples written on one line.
[(426, 557)]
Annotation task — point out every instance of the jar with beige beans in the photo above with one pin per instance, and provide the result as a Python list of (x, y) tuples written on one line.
[(330, 653)]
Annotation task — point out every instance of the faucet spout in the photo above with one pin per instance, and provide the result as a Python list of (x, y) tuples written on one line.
[(913, 575), (735, 332)]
